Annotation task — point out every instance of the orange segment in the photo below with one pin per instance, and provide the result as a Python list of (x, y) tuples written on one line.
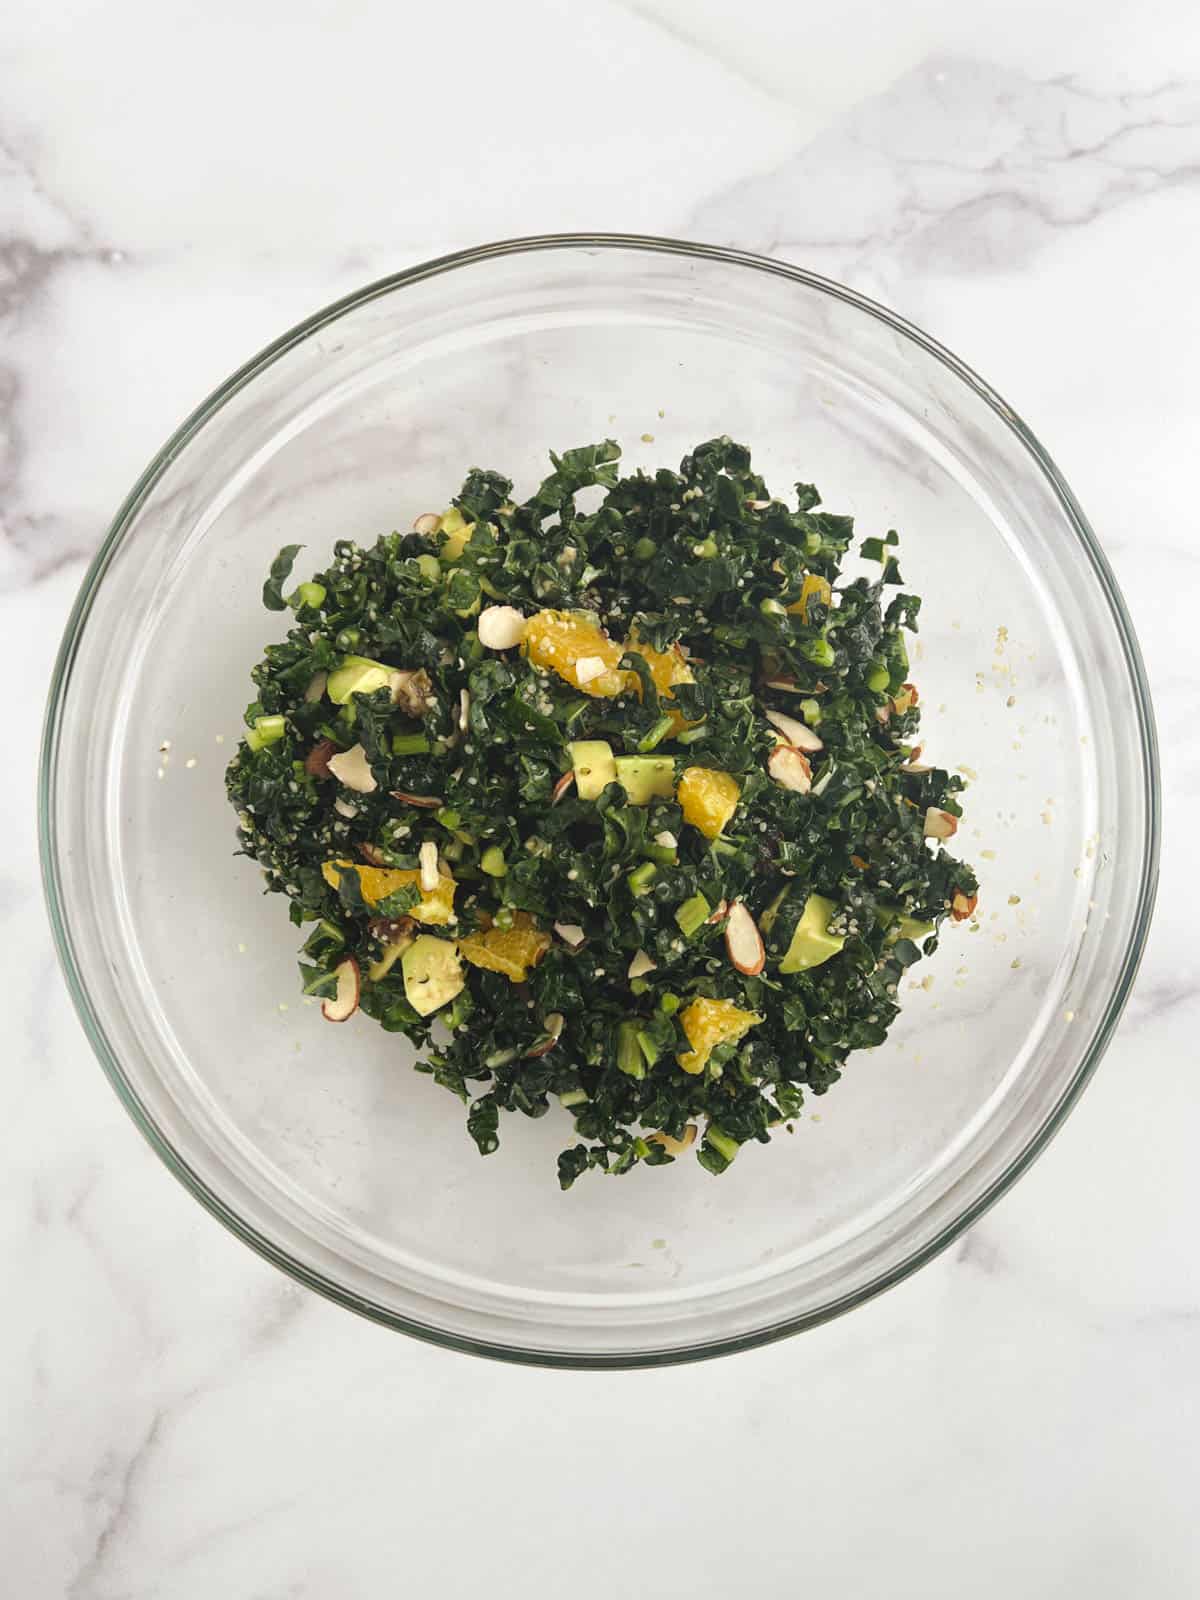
[(509, 951), (667, 668), (709, 1023), (562, 639), (812, 588), (377, 883), (709, 798)]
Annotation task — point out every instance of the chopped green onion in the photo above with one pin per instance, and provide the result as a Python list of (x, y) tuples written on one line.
[(648, 1047), (630, 1059), (655, 736), (266, 730), (721, 1141), (311, 595), (641, 877)]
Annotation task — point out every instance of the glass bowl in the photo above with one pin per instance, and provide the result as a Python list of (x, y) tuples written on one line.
[(317, 1145)]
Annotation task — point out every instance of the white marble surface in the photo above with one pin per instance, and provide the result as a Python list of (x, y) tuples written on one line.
[(180, 182)]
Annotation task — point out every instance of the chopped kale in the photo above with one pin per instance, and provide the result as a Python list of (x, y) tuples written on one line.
[(696, 715)]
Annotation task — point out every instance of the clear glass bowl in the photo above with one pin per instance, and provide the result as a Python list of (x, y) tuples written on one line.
[(317, 1145)]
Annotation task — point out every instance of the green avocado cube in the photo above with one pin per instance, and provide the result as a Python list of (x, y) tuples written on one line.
[(594, 767), (646, 778), (812, 943), (433, 974), (357, 675)]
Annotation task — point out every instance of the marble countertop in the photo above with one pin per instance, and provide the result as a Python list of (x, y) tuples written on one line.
[(178, 184)]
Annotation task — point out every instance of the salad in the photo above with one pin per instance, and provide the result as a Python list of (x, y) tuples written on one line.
[(616, 810)]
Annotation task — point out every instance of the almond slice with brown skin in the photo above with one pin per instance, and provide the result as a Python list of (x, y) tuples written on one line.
[(963, 905), (428, 522), (567, 781), (797, 734), (344, 1003), (743, 942), (316, 762), (790, 768), (429, 802), (553, 1024), (940, 824)]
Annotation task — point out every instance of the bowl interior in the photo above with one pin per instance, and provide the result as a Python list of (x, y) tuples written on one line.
[(318, 1141)]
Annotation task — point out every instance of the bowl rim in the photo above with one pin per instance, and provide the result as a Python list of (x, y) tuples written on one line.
[(48, 767)]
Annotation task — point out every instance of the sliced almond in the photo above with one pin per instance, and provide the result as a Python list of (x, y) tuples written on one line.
[(429, 802), (316, 762), (797, 734), (427, 856), (758, 505), (553, 1025), (963, 905), (667, 839), (567, 781), (785, 685), (316, 686), (940, 824), (345, 808), (743, 942), (570, 933), (464, 710), (674, 1147), (428, 522), (500, 627), (372, 855), (589, 667), (641, 965), (720, 910), (352, 769), (790, 768), (345, 1002)]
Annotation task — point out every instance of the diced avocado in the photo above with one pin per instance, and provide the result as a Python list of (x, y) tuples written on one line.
[(456, 530), (692, 914), (646, 778), (493, 863), (592, 760), (456, 534), (357, 675), (906, 927), (433, 974), (812, 943)]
